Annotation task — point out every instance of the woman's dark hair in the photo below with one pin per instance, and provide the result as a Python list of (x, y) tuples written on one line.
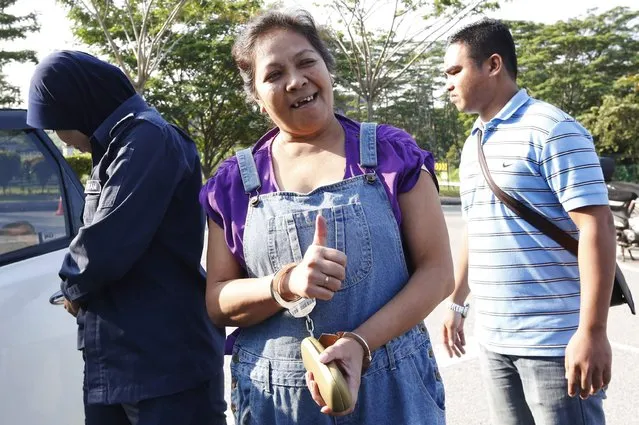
[(299, 21), (485, 38)]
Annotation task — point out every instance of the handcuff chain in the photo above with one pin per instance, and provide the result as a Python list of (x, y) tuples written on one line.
[(310, 326)]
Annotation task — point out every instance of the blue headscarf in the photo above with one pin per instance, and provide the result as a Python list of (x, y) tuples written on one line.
[(72, 90)]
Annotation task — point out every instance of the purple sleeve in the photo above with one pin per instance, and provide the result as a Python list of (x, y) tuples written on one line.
[(225, 202), (400, 155), (208, 191)]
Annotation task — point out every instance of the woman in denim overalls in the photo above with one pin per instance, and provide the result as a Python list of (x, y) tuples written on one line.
[(263, 206)]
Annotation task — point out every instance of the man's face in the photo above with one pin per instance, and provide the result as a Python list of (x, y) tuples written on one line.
[(75, 138), (467, 84)]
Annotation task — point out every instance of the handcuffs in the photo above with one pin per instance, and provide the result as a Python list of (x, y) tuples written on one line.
[(302, 307)]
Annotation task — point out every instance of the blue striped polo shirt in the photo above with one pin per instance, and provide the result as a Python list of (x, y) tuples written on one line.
[(525, 286)]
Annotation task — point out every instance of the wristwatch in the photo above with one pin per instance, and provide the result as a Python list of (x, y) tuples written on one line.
[(461, 309)]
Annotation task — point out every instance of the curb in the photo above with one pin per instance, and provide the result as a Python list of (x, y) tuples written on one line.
[(449, 200)]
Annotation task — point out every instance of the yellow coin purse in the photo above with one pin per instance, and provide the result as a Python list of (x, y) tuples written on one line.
[(332, 384)]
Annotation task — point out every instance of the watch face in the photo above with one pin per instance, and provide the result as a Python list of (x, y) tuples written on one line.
[(463, 310)]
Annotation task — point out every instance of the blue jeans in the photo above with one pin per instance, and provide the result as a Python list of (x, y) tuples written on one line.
[(534, 391)]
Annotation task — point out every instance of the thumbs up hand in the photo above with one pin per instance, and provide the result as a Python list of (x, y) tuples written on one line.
[(321, 272), (320, 231)]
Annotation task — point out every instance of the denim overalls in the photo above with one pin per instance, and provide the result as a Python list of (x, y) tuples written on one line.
[(402, 385)]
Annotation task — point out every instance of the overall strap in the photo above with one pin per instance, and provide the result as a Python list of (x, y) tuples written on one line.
[(368, 145), (248, 170)]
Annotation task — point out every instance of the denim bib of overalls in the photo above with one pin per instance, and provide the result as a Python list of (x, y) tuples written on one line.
[(402, 384)]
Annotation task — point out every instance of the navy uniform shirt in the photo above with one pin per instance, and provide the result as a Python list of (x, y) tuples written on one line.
[(134, 266)]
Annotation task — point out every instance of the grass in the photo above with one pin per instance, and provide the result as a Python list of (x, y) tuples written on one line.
[(16, 194), (451, 191)]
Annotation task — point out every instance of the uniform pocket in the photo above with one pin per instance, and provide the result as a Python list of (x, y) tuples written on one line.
[(116, 177), (290, 235), (90, 207)]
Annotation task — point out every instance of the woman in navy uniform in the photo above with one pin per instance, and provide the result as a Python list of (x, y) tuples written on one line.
[(132, 275)]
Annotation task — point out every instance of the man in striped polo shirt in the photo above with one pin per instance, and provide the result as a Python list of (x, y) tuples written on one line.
[(541, 313)]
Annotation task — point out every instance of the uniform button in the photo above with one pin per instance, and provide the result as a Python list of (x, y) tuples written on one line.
[(235, 358), (431, 353), (233, 407), (437, 375), (233, 383), (422, 326)]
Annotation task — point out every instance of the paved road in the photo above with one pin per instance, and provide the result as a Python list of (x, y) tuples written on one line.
[(465, 401)]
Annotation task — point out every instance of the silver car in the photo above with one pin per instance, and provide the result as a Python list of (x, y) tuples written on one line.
[(41, 203)]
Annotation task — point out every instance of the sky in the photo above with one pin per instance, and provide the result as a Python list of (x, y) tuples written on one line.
[(55, 32)]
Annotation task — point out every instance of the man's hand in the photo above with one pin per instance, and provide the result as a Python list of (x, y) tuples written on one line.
[(453, 333), (588, 362), (71, 307)]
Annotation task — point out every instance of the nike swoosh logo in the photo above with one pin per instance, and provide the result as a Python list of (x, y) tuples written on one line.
[(506, 164)]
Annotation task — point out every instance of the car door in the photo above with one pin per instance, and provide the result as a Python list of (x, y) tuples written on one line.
[(40, 205)]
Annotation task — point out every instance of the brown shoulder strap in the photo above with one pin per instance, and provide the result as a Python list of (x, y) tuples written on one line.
[(621, 292), (540, 222)]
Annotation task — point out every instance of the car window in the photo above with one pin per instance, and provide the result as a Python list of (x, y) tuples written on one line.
[(31, 207)]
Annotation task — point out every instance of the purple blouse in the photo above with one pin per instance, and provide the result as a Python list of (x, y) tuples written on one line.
[(399, 163)]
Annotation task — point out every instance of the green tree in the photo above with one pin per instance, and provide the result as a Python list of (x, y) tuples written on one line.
[(13, 28), (179, 54), (373, 60), (42, 170), (138, 35), (419, 105), (201, 89), (81, 164), (9, 168), (615, 123), (573, 64)]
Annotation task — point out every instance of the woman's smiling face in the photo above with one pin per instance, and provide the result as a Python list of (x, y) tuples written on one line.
[(292, 83)]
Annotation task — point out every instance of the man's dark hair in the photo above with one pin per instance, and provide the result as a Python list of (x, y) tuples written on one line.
[(485, 38)]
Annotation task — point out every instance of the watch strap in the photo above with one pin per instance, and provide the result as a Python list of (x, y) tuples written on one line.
[(461, 309)]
